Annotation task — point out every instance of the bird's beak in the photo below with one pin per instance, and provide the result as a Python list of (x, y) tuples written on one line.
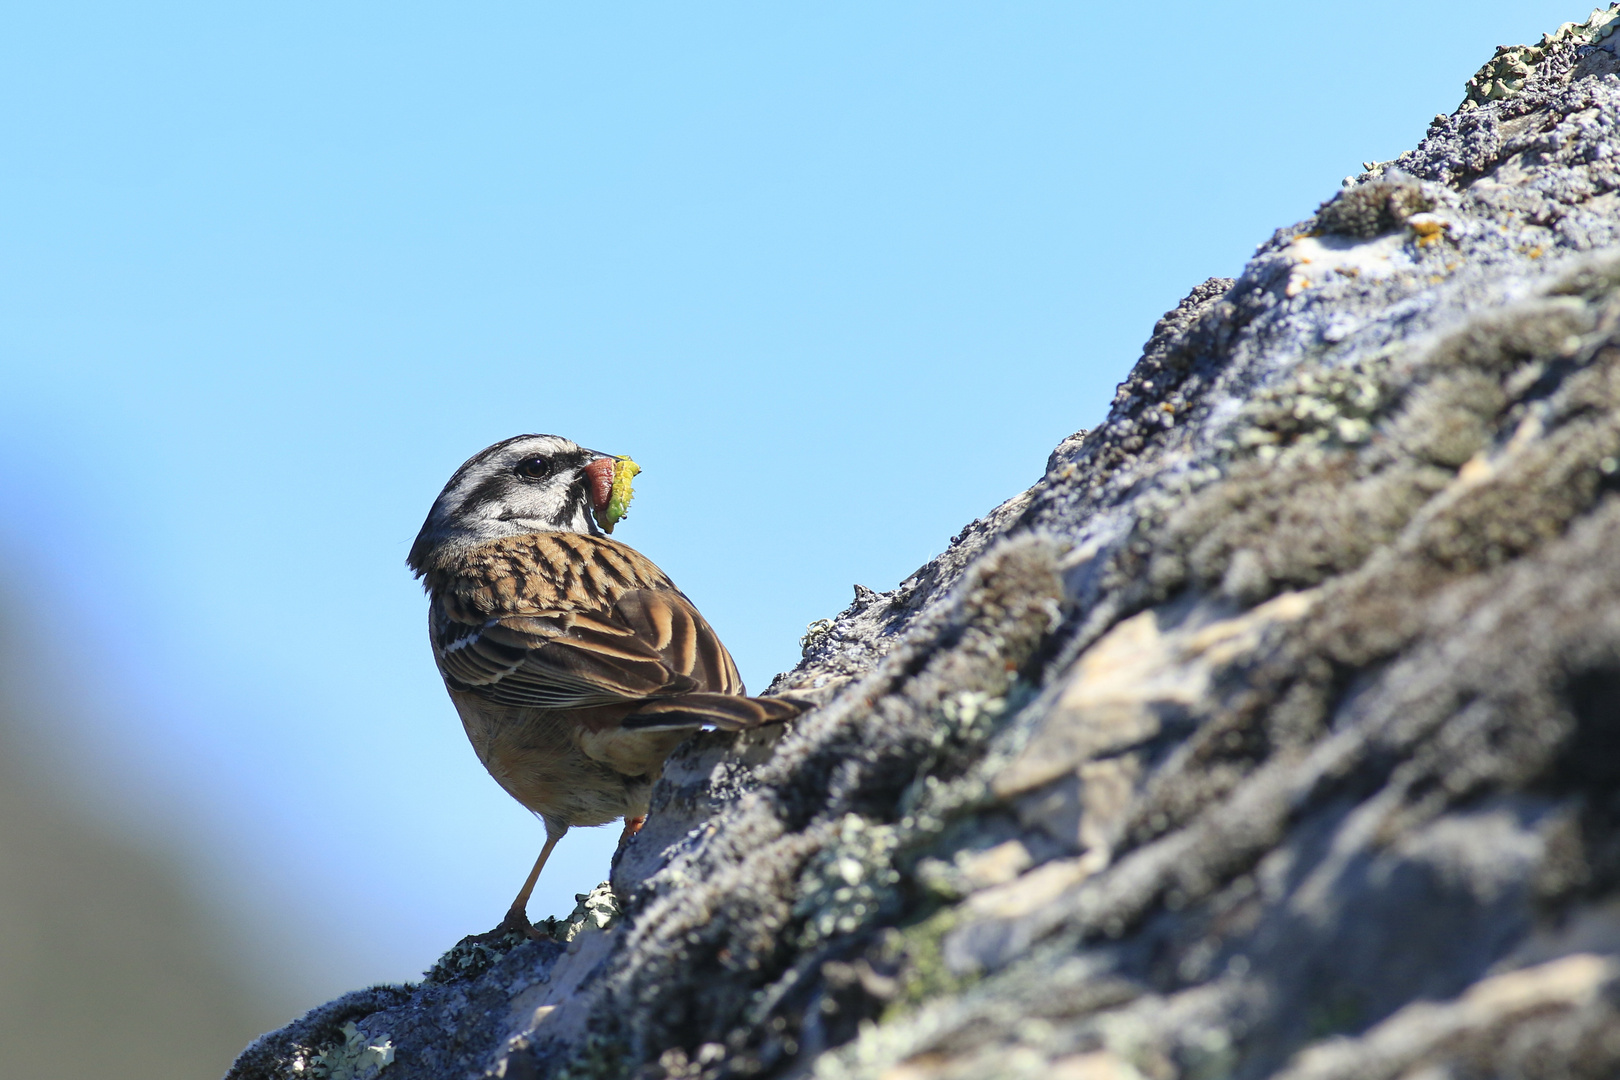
[(599, 479)]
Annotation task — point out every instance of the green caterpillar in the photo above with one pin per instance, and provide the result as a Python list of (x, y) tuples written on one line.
[(618, 503)]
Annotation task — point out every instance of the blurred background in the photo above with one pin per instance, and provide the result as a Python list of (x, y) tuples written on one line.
[(838, 276)]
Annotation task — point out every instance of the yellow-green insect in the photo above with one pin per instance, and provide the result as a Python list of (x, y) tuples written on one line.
[(618, 503)]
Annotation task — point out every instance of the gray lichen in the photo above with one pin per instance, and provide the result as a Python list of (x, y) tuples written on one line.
[(1506, 73), (1373, 208), (358, 1057), (472, 956)]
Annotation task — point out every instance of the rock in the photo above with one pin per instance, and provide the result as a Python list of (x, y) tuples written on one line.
[(1274, 732)]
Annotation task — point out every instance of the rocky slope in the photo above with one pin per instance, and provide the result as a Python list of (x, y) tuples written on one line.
[(1275, 732)]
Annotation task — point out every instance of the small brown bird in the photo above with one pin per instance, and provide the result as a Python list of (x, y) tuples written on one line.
[(575, 663)]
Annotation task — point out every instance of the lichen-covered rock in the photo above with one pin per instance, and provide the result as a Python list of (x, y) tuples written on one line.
[(1374, 208), (1506, 73), (1274, 732)]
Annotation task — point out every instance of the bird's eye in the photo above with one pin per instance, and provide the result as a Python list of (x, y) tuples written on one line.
[(533, 468)]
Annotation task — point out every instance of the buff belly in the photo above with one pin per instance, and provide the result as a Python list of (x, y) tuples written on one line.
[(573, 767)]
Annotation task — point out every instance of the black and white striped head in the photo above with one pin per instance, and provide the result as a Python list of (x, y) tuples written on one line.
[(525, 484)]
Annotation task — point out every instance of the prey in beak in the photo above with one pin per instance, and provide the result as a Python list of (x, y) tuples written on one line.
[(607, 481)]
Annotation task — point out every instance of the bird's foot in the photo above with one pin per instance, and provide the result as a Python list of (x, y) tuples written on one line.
[(517, 922), (512, 930)]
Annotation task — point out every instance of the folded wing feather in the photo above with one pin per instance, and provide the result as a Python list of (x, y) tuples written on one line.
[(617, 643)]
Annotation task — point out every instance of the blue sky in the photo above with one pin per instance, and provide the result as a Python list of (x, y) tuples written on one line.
[(838, 276)]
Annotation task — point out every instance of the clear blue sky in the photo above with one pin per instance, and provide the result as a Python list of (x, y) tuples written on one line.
[(837, 275)]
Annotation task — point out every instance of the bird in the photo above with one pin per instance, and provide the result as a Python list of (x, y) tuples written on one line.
[(574, 662)]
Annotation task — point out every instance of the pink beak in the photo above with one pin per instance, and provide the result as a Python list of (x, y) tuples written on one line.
[(599, 477)]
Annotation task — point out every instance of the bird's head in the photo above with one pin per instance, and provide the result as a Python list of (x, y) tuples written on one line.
[(525, 484)]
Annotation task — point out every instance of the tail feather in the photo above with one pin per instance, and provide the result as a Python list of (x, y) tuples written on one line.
[(728, 712)]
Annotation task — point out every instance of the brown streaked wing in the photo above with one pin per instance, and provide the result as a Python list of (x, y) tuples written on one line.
[(570, 664), (666, 620), (572, 620), (728, 712)]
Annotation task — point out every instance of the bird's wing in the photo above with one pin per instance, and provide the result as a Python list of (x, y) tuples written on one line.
[(564, 620)]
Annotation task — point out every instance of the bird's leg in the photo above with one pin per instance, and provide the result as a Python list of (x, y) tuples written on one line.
[(632, 825), (517, 917)]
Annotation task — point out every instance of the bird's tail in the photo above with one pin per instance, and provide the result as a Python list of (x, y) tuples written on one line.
[(728, 712)]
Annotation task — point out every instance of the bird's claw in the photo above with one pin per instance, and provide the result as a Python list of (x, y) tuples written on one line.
[(517, 922)]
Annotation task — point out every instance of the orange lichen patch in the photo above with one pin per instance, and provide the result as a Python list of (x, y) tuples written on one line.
[(1332, 257), (1430, 228)]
